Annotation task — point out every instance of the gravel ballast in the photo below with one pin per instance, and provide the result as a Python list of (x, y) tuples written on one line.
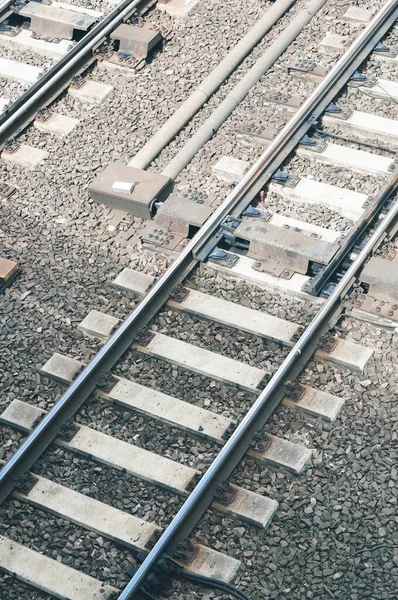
[(319, 545)]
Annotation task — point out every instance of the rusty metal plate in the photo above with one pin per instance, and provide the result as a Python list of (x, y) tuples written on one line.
[(303, 67), (8, 269), (142, 188), (380, 308), (126, 60), (282, 248), (382, 277), (199, 196), (6, 190), (283, 99), (154, 235), (252, 135)]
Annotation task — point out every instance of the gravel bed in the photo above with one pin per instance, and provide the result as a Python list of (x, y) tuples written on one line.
[(241, 292), (25, 56), (66, 277), (17, 590), (14, 89), (61, 238), (190, 387), (65, 542), (320, 543), (148, 433), (120, 490)]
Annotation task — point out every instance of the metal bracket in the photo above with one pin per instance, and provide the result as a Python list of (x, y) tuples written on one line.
[(252, 212), (228, 432), (312, 144), (11, 146), (9, 30), (298, 333), (191, 485), (294, 391), (25, 483), (338, 112), (38, 420), (77, 82), (327, 343), (179, 293), (186, 552), (144, 336), (307, 67), (107, 382), (285, 179), (261, 441), (253, 135), (198, 196), (68, 431), (224, 258), (265, 267), (225, 493), (284, 99), (378, 307), (390, 51), (153, 539)]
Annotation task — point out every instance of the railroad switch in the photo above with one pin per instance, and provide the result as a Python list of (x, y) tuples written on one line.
[(9, 271)]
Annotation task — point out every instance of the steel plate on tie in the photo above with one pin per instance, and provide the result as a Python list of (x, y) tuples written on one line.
[(282, 248), (382, 277)]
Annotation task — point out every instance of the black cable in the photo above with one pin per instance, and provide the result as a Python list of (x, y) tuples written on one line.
[(215, 583), (344, 138), (147, 594), (392, 546), (359, 87)]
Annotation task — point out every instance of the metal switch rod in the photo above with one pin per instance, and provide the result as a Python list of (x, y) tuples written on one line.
[(208, 86)]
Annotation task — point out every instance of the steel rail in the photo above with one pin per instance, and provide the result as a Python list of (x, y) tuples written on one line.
[(317, 283), (20, 113), (112, 351), (264, 405), (5, 4), (236, 446), (301, 122)]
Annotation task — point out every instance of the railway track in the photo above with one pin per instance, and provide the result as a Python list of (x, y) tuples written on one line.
[(232, 238), (74, 58)]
